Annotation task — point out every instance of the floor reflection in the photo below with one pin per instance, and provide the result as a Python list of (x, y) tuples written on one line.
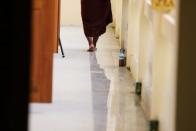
[(124, 109), (100, 90)]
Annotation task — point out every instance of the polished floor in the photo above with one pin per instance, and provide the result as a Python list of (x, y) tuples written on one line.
[(90, 91)]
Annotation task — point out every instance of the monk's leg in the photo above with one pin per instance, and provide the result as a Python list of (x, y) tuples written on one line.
[(91, 44), (90, 40), (95, 39)]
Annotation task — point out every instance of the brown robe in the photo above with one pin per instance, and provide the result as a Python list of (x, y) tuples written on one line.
[(96, 15)]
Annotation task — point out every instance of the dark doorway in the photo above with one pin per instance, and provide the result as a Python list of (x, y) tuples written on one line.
[(15, 62)]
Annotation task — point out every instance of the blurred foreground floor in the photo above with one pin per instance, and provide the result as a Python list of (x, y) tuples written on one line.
[(90, 91)]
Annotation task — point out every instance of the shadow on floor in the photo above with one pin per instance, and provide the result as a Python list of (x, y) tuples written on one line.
[(100, 89)]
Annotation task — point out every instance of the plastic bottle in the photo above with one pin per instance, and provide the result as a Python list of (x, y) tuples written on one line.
[(122, 57)]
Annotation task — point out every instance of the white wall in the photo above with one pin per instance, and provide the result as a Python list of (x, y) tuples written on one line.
[(70, 12), (157, 72), (152, 55)]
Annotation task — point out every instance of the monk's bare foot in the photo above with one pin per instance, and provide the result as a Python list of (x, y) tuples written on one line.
[(91, 48)]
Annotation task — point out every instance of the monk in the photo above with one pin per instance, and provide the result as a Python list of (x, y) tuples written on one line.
[(96, 15)]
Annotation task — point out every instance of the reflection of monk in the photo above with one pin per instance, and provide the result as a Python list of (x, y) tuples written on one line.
[(96, 15)]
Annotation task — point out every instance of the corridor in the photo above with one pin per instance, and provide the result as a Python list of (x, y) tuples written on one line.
[(90, 91), (41, 91)]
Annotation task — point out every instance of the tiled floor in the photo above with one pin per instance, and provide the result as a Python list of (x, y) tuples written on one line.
[(90, 91)]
